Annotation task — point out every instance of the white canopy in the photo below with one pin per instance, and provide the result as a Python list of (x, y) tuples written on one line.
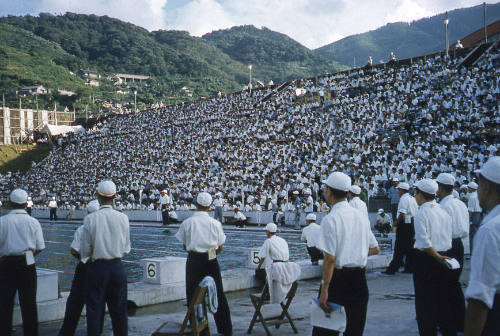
[(62, 129)]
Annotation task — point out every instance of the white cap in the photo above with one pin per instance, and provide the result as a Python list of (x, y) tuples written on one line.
[(53, 197), (338, 181), (380, 211), (295, 192), (472, 185), (355, 189), (311, 217), (271, 227), (29, 198), (427, 186), (395, 179), (93, 206), (446, 178), (491, 170), (403, 185), (106, 188), (204, 199), (164, 191), (18, 196)]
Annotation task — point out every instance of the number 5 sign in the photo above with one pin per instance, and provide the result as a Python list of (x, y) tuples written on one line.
[(253, 258)]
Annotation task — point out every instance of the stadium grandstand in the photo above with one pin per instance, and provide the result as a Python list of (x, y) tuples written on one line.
[(407, 120)]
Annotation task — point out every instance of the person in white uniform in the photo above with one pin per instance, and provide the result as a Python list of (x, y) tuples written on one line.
[(274, 249), (76, 298), (383, 223), (483, 292), (346, 240), (105, 240), (355, 201), (310, 235), (165, 202), (405, 232), (460, 229), (53, 209), (203, 237), (475, 211), (219, 207), (433, 281), (21, 238)]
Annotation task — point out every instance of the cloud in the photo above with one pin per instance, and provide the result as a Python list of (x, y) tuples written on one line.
[(313, 23)]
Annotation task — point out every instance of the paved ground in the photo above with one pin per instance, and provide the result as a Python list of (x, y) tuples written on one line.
[(390, 311)]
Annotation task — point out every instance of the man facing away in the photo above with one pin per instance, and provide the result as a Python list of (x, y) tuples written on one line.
[(310, 235)]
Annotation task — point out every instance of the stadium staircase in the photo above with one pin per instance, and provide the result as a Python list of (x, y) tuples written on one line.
[(475, 54), (277, 90)]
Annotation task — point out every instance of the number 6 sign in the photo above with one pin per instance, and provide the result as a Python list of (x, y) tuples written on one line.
[(151, 270)]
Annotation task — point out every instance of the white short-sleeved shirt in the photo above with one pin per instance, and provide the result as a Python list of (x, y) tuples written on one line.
[(310, 234), (274, 248), (473, 203), (200, 232), (106, 234), (357, 203), (239, 216), (346, 234), (309, 204), (52, 204), (19, 232), (218, 202), (433, 227), (484, 282), (164, 200), (407, 206), (459, 216)]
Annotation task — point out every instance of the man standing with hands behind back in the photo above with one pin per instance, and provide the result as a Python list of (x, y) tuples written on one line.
[(346, 240), (105, 240), (20, 239)]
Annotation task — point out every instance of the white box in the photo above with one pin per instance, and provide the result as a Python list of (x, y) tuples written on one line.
[(164, 270), (47, 286), (253, 258)]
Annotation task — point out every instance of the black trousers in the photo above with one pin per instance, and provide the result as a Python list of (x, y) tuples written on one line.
[(261, 275), (106, 282), (435, 290), (165, 217), (348, 288), (197, 267), (29, 210), (314, 253), (405, 237), (53, 213), (458, 303), (75, 302), (15, 275), (492, 326)]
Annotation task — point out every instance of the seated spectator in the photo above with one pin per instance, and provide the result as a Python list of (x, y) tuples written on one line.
[(384, 223)]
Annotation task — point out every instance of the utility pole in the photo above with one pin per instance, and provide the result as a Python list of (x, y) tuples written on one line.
[(484, 19), (446, 22)]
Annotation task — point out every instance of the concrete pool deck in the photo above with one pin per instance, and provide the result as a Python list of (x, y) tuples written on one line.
[(391, 310)]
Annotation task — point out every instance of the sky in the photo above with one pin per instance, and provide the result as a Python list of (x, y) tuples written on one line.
[(313, 23)]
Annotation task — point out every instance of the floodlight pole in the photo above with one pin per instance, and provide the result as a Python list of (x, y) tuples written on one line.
[(484, 19), (447, 44)]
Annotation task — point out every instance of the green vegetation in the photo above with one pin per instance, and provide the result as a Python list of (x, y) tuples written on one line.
[(20, 157), (407, 40), (45, 49)]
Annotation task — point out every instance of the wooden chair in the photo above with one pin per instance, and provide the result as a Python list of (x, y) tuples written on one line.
[(258, 300), (197, 324)]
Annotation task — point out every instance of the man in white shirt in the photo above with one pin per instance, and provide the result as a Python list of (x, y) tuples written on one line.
[(105, 240), (76, 298), (203, 237), (405, 231), (483, 292), (165, 206), (274, 249), (53, 209), (29, 206), (475, 211), (355, 201), (460, 230), (433, 281), (346, 240), (383, 223), (20, 239), (310, 235), (219, 207), (239, 219)]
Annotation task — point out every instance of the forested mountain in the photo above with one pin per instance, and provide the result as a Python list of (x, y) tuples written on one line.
[(272, 54), (406, 40)]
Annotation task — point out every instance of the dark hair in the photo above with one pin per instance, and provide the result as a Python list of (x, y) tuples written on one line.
[(426, 196), (446, 187), (17, 205), (495, 186), (338, 193)]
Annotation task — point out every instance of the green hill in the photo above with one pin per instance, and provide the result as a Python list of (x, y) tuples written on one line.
[(406, 40), (273, 55)]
